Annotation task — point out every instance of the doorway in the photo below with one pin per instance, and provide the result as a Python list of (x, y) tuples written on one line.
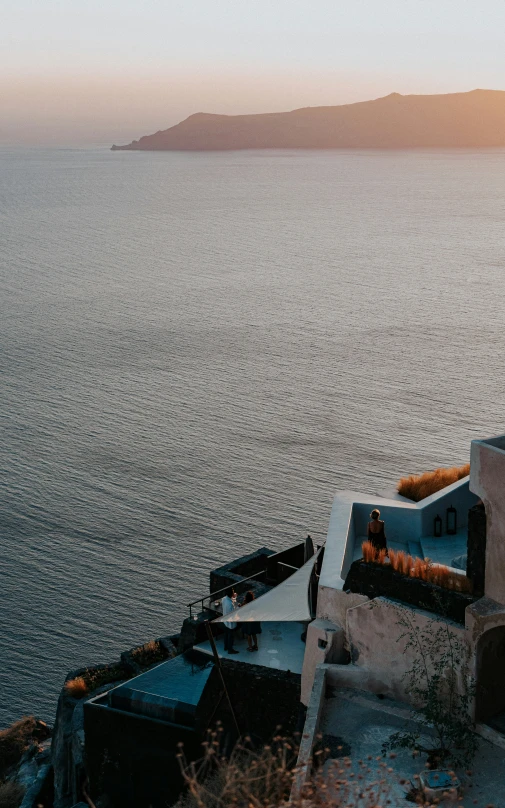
[(490, 693)]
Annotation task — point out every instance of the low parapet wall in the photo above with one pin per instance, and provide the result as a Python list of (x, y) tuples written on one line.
[(310, 730), (375, 580)]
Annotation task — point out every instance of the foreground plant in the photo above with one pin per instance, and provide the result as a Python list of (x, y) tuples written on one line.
[(249, 776), (441, 685), (267, 778)]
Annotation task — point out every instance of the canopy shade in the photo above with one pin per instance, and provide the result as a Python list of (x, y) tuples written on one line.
[(289, 601)]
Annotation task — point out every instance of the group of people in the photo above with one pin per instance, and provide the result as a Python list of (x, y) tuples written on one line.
[(250, 629)]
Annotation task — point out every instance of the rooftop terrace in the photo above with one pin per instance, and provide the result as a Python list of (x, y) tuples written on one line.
[(279, 646)]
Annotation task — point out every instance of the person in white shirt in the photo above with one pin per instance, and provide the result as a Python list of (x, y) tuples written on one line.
[(229, 627)]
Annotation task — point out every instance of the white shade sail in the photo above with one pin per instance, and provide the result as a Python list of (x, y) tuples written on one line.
[(289, 601)]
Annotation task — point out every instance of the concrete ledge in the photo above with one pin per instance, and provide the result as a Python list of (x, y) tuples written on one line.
[(405, 713), (356, 678), (491, 735), (311, 726), (324, 644)]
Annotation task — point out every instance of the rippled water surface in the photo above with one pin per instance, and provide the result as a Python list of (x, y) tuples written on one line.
[(196, 350)]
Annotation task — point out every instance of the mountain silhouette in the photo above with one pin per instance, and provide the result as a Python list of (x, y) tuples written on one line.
[(475, 119)]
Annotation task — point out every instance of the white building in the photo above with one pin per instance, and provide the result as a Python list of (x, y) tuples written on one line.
[(357, 637)]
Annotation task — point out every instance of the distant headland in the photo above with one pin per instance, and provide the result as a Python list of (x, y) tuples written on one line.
[(475, 119)]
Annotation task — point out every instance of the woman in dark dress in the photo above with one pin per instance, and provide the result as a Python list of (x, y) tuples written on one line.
[(375, 533), (251, 629)]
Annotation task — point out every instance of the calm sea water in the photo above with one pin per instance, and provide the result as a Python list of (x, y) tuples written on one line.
[(196, 350)]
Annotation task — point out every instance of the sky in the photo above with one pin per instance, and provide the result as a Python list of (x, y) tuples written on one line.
[(94, 72)]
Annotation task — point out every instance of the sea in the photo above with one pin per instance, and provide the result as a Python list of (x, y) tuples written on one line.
[(198, 349)]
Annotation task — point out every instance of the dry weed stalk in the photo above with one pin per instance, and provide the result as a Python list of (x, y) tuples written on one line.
[(420, 486), (250, 777), (264, 779)]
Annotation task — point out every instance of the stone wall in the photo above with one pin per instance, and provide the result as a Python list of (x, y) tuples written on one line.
[(376, 646), (132, 758), (375, 580), (264, 698), (487, 479), (325, 643), (67, 749), (232, 573), (476, 548)]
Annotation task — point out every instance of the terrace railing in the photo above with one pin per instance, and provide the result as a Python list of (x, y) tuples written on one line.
[(213, 596)]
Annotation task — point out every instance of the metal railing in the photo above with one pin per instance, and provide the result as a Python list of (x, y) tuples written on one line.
[(284, 571), (219, 592)]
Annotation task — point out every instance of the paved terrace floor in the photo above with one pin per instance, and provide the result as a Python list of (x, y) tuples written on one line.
[(279, 646), (362, 722)]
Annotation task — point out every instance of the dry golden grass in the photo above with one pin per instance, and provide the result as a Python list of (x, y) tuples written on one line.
[(11, 795), (15, 740), (150, 647), (420, 569), (405, 564), (264, 778), (149, 653), (420, 486), (369, 551), (401, 562), (77, 687), (92, 679)]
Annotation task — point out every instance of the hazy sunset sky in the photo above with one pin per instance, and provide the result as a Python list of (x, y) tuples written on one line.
[(103, 71)]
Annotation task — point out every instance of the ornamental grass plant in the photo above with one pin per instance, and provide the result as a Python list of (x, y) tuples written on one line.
[(413, 567), (93, 678), (420, 486), (77, 687)]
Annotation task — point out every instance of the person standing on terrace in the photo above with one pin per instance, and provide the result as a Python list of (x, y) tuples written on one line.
[(375, 533), (229, 626), (251, 629)]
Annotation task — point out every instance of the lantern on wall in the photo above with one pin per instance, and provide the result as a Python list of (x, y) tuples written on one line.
[(451, 521), (437, 526)]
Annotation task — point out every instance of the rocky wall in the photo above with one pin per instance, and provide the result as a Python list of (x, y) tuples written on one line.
[(67, 752)]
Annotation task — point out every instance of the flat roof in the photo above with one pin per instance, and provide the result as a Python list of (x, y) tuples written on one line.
[(279, 646), (170, 692)]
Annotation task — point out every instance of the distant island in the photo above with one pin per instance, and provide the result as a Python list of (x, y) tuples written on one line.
[(475, 119)]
